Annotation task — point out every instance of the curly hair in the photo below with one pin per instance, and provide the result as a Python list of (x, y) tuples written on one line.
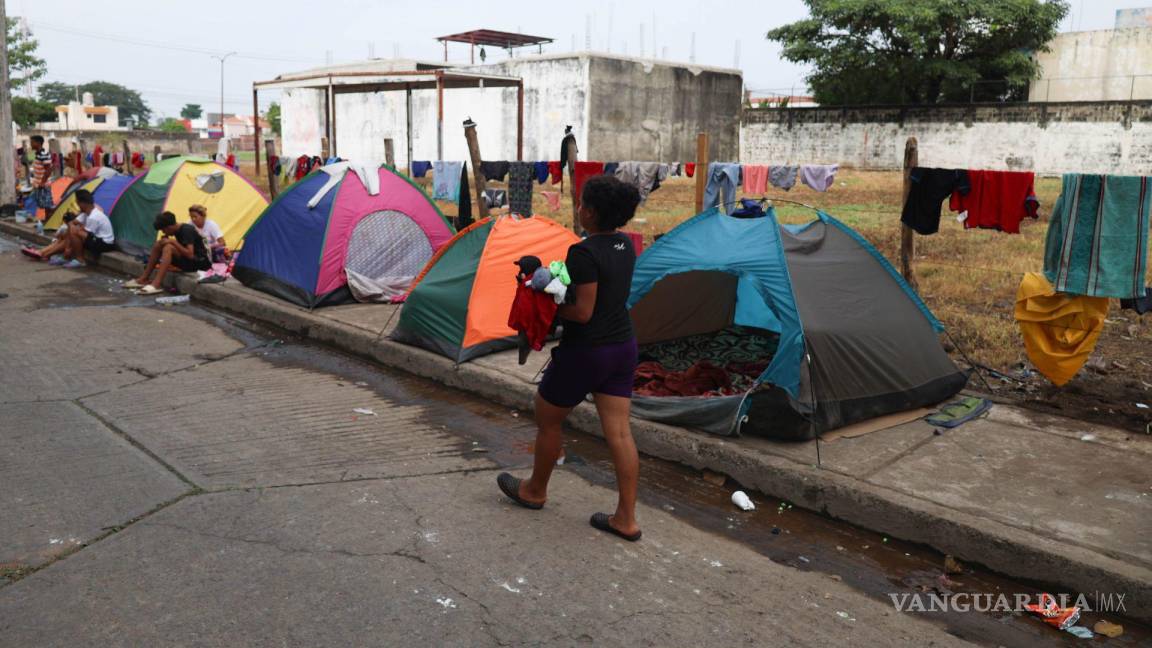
[(613, 201)]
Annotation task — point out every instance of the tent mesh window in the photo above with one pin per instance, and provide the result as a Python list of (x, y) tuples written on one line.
[(385, 253)]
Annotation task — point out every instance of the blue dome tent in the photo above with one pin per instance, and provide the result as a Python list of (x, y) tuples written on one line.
[(838, 334)]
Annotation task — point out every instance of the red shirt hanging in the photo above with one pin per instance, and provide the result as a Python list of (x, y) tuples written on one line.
[(997, 200)]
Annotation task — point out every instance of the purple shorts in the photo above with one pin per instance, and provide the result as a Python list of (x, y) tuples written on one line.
[(576, 371)]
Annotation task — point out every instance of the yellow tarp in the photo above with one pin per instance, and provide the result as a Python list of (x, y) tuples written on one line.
[(1060, 331)]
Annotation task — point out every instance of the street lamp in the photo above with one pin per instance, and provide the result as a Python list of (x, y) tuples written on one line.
[(222, 59)]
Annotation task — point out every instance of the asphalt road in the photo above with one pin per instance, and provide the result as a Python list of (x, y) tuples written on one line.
[(170, 477)]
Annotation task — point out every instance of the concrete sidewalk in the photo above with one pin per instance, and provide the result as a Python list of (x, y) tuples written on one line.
[(1018, 492)]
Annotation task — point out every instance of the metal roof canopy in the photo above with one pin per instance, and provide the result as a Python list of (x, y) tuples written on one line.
[(407, 80), (492, 38)]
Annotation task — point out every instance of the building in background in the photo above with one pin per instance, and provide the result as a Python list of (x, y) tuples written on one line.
[(1101, 65), (619, 107), (83, 115)]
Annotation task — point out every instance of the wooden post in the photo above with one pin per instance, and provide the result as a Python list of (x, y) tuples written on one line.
[(520, 121), (440, 115), (155, 154), (54, 149), (83, 154), (907, 242), (408, 118), (389, 152), (572, 151), (24, 160), (273, 179), (127, 157), (701, 169), (324, 149), (256, 130), (477, 172)]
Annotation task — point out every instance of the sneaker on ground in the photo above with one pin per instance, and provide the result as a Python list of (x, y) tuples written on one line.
[(75, 263), (57, 260)]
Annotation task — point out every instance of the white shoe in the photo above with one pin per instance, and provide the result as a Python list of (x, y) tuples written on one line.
[(132, 284)]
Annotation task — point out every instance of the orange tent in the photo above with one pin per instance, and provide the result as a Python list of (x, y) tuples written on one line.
[(458, 306)]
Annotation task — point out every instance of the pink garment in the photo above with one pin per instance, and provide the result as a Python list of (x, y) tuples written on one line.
[(553, 198), (755, 179)]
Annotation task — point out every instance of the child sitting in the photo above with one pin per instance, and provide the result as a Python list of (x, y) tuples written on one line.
[(213, 237)]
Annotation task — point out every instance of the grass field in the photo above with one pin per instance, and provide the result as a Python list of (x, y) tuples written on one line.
[(968, 278)]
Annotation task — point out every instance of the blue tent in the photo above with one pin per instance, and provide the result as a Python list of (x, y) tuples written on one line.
[(838, 333)]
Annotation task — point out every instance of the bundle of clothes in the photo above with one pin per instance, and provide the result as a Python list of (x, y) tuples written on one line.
[(540, 289), (725, 363)]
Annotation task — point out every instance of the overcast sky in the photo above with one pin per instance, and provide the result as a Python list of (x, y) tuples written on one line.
[(163, 47)]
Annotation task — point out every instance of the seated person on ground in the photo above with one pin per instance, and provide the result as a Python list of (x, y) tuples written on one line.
[(213, 236), (56, 247), (181, 249), (90, 232)]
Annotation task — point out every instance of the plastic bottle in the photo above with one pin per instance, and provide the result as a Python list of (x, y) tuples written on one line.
[(40, 227), (175, 299)]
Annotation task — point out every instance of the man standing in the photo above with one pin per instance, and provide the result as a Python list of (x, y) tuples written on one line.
[(41, 196)]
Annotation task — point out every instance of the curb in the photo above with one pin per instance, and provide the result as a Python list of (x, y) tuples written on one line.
[(999, 547)]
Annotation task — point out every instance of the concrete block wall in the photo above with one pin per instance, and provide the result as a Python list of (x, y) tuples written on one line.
[(1101, 137)]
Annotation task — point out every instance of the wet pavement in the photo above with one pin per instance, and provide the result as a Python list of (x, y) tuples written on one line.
[(249, 416)]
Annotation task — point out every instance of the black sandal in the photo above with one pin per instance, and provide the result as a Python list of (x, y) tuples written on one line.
[(602, 522), (510, 486)]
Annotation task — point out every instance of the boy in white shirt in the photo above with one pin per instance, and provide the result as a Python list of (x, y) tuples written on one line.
[(93, 235), (211, 233)]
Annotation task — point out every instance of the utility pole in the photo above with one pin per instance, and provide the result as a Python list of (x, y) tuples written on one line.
[(7, 150), (222, 59)]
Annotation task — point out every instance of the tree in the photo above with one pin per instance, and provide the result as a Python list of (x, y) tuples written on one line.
[(27, 112), (104, 93), (172, 125), (920, 51), (273, 117), (24, 66), (191, 111)]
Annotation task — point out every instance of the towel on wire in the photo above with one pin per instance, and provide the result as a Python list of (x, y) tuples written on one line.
[(1097, 241)]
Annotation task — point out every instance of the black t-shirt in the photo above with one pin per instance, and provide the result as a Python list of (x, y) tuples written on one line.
[(187, 234), (608, 261), (929, 188)]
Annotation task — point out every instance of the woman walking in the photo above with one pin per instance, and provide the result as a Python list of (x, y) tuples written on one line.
[(596, 355)]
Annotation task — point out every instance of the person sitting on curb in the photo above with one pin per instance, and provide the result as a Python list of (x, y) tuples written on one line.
[(211, 233), (91, 232), (181, 249), (58, 244)]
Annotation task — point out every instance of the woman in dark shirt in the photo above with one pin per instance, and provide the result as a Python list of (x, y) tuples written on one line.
[(596, 355)]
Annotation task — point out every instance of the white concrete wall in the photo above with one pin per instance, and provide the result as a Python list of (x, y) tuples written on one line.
[(301, 122), (1103, 146), (1096, 66)]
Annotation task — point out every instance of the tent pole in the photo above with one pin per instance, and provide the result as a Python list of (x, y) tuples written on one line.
[(520, 121)]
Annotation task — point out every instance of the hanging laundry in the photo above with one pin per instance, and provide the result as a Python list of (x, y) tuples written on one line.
[(556, 171), (303, 163), (420, 168), (552, 198), (610, 168), (689, 168), (446, 180), (568, 136), (1059, 330), (637, 241), (755, 179), (645, 176), (541, 169), (495, 198), (723, 177), (138, 160), (495, 171), (674, 169), (820, 177), (369, 177), (929, 188), (97, 156), (1141, 305), (997, 200), (230, 162), (583, 171), (1098, 236), (520, 177), (464, 201)]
